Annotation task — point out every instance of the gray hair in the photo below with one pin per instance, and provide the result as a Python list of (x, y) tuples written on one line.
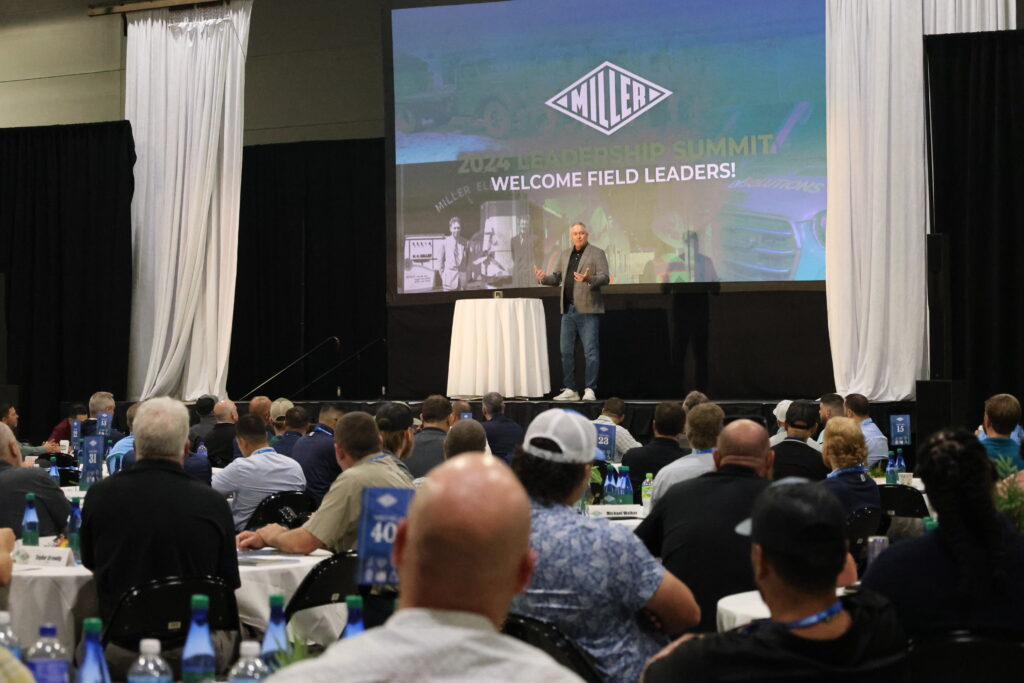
[(101, 401), (465, 436), (493, 403), (161, 428)]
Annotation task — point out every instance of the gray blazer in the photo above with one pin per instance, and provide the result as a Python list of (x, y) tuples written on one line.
[(585, 295)]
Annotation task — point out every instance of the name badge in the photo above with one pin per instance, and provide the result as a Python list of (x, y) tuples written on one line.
[(382, 510)]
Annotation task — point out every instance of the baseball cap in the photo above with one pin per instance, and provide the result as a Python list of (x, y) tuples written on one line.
[(802, 414), (575, 436), (796, 517), (780, 409), (279, 407), (393, 416)]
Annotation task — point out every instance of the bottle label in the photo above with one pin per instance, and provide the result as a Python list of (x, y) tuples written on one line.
[(148, 678), (50, 670), (197, 676)]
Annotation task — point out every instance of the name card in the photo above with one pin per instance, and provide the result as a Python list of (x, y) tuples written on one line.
[(382, 510), (616, 511), (43, 557)]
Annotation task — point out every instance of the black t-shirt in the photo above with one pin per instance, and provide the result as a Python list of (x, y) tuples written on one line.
[(650, 459), (221, 446), (154, 521), (568, 280), (871, 650), (794, 458), (692, 528)]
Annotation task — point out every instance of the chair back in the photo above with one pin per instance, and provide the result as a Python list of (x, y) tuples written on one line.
[(325, 584), (861, 523), (902, 501), (967, 656), (550, 639), (290, 509), (162, 609)]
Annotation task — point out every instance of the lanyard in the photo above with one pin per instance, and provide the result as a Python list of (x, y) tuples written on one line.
[(856, 468), (823, 615), (268, 449), (323, 430)]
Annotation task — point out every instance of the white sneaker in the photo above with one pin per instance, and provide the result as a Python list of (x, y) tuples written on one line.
[(567, 395), (588, 395)]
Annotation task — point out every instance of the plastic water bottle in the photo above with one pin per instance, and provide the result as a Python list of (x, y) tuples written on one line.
[(892, 475), (198, 659), (625, 486), (94, 665), (7, 637), (149, 667), (276, 639), (249, 666), (609, 486), (30, 522), (75, 530), (646, 491), (354, 627), (901, 466), (54, 472), (202, 450), (47, 659)]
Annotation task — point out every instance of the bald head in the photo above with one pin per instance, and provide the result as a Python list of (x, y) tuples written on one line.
[(466, 542), (225, 411), (744, 442), (260, 406)]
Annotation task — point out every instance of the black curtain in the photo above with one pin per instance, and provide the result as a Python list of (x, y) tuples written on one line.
[(976, 115), (311, 261), (65, 223)]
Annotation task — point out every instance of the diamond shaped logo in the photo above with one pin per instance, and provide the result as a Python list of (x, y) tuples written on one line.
[(387, 500), (608, 97)]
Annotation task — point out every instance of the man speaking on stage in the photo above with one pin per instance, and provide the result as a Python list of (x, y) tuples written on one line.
[(586, 271)]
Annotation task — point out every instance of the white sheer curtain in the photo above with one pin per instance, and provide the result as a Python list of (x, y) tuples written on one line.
[(877, 194), (184, 86)]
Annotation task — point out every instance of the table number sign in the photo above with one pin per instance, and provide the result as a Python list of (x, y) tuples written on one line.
[(606, 441), (383, 509), (103, 421), (899, 430)]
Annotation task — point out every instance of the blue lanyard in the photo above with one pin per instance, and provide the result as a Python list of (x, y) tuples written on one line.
[(323, 430), (268, 449), (845, 470), (823, 615)]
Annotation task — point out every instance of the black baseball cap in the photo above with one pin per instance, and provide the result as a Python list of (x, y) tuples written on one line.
[(393, 417), (797, 517), (802, 414)]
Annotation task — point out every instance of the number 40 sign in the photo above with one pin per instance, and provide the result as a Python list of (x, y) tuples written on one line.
[(382, 510)]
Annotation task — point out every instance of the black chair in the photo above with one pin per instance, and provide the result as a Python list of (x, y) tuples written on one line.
[(860, 524), (967, 656), (902, 501), (290, 509), (327, 583), (162, 609), (550, 639)]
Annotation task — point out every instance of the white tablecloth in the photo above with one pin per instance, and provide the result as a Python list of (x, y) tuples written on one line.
[(66, 595), (739, 609), (498, 345)]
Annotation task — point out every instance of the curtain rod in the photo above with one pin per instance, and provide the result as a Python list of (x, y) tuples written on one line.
[(124, 8)]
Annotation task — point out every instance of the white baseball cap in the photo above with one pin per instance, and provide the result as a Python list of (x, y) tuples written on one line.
[(575, 436), (781, 408)]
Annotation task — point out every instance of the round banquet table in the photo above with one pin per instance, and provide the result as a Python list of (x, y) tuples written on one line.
[(498, 345), (66, 595), (739, 609)]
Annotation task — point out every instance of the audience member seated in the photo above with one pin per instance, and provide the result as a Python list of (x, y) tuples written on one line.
[(315, 452), (829, 406), (794, 457), (966, 574), (465, 436), (153, 520), (662, 449), (16, 480), (1002, 413), (260, 471), (335, 524), (122, 447), (857, 407), (395, 421), (613, 412), (798, 536), (200, 430), (592, 577), (278, 410), (296, 424), (101, 402), (780, 420), (220, 440), (9, 416), (461, 554), (691, 525), (503, 433), (459, 407), (198, 467), (260, 407), (703, 425), (845, 453), (428, 443), (62, 430), (690, 401)]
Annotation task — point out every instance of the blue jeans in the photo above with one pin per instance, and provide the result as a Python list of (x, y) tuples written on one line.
[(584, 326)]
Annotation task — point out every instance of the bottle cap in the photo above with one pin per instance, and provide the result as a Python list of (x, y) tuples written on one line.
[(354, 601), (200, 601), (249, 648), (5, 618), (277, 600), (92, 625), (650, 476), (47, 631), (30, 497), (76, 501), (149, 646), (624, 468)]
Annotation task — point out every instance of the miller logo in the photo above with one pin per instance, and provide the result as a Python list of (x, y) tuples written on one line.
[(608, 98)]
